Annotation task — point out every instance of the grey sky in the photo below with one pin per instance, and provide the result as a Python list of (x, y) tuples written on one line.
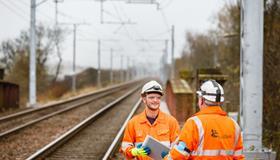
[(151, 23)]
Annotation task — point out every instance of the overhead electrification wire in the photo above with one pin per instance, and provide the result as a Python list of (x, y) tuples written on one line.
[(18, 8), (166, 4), (163, 14), (137, 33), (68, 16), (14, 11), (164, 19), (161, 33), (111, 14), (117, 11), (39, 11), (123, 12), (125, 28)]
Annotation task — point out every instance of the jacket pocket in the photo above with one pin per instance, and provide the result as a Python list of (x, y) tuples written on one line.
[(140, 136), (139, 133), (163, 131)]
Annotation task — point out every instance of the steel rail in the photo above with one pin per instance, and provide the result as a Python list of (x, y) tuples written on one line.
[(117, 139), (56, 103), (19, 127), (15, 129), (75, 130)]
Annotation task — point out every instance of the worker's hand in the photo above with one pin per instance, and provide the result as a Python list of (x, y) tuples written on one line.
[(163, 154), (181, 146), (140, 150), (145, 148)]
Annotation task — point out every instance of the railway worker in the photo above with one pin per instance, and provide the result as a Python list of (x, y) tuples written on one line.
[(208, 134), (152, 121)]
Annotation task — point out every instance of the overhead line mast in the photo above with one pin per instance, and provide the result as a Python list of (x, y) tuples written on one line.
[(32, 56), (251, 79)]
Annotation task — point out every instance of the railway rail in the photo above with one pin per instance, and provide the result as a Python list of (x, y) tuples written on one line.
[(15, 122), (91, 138), (27, 140), (111, 151)]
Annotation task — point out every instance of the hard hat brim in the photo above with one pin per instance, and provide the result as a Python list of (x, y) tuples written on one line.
[(213, 98), (154, 91), (199, 93)]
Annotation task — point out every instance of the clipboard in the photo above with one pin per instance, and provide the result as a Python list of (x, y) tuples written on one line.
[(156, 147)]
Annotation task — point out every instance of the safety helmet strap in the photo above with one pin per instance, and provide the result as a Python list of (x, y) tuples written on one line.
[(218, 91)]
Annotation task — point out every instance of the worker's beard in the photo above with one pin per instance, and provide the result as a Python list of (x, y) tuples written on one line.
[(152, 108)]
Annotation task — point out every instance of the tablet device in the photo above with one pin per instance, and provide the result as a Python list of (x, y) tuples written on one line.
[(156, 147)]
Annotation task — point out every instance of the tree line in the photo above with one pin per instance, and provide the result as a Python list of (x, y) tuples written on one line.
[(14, 58)]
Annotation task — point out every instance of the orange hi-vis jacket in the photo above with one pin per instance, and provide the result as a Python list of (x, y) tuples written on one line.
[(165, 129), (209, 134)]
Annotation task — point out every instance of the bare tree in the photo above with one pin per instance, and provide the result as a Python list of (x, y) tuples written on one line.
[(15, 57), (271, 120), (58, 39)]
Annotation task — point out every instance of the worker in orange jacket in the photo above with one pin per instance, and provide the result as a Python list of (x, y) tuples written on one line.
[(208, 134), (151, 121)]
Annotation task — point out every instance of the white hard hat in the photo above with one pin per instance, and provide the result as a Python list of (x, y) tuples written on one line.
[(211, 91), (152, 86)]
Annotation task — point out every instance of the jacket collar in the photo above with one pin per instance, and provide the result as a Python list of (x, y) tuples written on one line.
[(143, 118), (211, 110)]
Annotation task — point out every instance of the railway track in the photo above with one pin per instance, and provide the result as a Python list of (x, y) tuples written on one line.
[(14, 122), (91, 139), (27, 140)]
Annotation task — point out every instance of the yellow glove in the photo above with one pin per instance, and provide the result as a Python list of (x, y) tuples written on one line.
[(142, 151)]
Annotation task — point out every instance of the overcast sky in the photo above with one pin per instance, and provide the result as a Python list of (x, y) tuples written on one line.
[(149, 21)]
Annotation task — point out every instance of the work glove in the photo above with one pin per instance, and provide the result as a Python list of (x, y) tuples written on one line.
[(163, 154), (181, 146), (140, 150)]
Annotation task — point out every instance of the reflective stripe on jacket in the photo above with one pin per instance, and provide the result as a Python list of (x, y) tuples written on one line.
[(165, 129), (210, 134)]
